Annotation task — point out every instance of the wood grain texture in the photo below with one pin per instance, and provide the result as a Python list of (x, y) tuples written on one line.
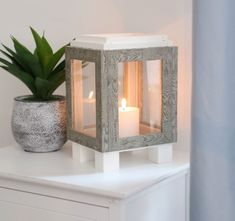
[(77, 93), (107, 97), (72, 133)]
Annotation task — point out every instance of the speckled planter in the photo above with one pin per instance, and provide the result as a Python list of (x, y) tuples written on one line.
[(39, 126)]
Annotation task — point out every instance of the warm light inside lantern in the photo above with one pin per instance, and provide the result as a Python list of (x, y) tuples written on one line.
[(83, 98), (139, 96), (128, 120), (121, 91), (140, 87)]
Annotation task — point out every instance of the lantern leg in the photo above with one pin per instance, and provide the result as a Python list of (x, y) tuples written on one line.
[(81, 153), (107, 162), (161, 153)]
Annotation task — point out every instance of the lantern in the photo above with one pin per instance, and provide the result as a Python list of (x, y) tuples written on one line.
[(121, 91)]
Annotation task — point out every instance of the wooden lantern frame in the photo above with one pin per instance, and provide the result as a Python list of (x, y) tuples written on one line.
[(106, 82)]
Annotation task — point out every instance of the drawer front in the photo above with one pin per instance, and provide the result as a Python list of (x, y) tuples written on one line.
[(15, 205), (12, 212)]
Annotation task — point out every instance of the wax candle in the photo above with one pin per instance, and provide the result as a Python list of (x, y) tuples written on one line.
[(128, 120)]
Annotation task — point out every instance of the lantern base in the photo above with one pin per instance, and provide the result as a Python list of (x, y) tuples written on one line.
[(104, 162), (161, 153), (81, 153), (107, 162), (110, 161)]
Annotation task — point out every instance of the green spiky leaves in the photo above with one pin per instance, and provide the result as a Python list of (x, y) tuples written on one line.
[(41, 71)]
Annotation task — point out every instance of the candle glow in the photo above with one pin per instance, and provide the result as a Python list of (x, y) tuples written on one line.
[(128, 120)]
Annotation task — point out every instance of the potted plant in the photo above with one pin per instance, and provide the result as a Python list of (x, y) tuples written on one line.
[(39, 119)]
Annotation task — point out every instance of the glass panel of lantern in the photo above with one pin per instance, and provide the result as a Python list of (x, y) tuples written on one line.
[(83, 97), (139, 97)]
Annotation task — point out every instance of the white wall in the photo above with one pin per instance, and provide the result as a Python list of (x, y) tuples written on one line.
[(63, 20)]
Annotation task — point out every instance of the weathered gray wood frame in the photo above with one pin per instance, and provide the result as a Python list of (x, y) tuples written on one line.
[(106, 62)]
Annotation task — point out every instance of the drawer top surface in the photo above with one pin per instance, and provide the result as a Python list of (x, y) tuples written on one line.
[(59, 170)]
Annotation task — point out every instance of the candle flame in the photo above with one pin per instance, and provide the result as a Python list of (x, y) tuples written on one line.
[(123, 103), (91, 94)]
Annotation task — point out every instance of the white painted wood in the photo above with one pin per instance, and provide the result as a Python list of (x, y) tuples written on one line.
[(107, 162), (116, 211), (58, 169), (165, 202), (121, 41), (53, 186), (81, 153), (161, 153), (26, 205), (13, 212)]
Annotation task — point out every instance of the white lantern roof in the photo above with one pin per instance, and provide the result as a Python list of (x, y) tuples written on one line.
[(121, 41)]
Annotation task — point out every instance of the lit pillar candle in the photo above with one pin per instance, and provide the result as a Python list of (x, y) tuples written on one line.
[(128, 120)]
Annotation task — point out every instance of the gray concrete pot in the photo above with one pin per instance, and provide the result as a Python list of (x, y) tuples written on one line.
[(39, 126)]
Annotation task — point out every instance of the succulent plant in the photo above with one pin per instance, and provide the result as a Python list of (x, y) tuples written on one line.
[(42, 70)]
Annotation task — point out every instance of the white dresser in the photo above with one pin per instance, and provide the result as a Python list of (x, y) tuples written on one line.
[(53, 187)]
